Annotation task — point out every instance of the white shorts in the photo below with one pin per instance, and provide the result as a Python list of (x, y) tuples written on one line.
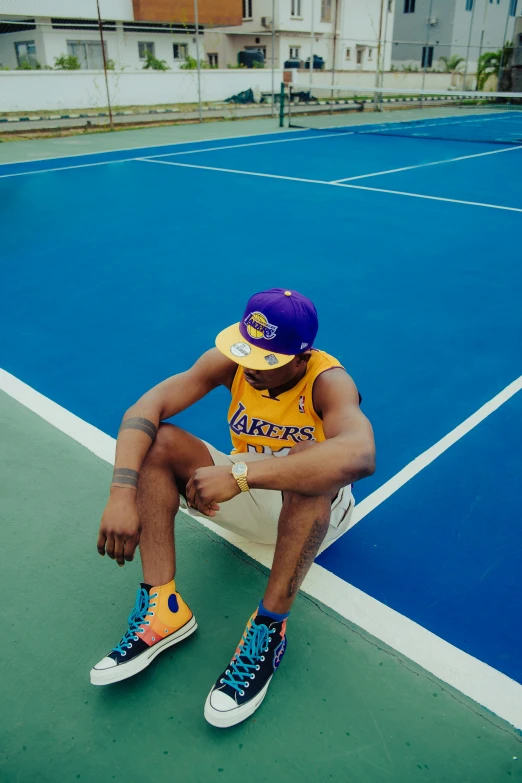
[(255, 514)]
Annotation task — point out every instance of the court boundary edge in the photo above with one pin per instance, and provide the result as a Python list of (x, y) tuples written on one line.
[(475, 679)]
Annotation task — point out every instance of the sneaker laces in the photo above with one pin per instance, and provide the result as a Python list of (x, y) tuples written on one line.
[(136, 619), (253, 644)]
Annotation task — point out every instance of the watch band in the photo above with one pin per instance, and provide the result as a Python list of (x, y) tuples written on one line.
[(243, 483), (242, 478)]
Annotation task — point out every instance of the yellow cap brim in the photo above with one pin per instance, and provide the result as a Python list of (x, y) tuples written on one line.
[(233, 345)]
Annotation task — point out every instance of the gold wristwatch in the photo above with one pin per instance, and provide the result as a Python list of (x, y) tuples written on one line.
[(240, 472)]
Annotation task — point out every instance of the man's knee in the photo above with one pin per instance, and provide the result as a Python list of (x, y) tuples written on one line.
[(167, 439), (298, 497)]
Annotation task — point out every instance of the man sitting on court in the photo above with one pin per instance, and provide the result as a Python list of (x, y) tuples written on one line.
[(300, 440)]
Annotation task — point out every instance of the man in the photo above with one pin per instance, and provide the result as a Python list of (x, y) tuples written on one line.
[(300, 440)]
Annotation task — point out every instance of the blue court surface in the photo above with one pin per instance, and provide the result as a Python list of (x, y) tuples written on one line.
[(120, 268)]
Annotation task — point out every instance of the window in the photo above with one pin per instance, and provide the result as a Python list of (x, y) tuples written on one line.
[(213, 60), (348, 54), (513, 8), (359, 58), (26, 52), (370, 54), (144, 47), (81, 24), (247, 9), (427, 56), (89, 53), (409, 6), (180, 51), (469, 5), (390, 6), (295, 8), (294, 52), (326, 10)]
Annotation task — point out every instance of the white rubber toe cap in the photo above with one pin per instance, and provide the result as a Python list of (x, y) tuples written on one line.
[(221, 702), (105, 663)]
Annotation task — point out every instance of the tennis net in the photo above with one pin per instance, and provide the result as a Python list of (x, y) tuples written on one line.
[(493, 117)]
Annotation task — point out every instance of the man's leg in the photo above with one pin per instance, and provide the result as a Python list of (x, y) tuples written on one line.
[(303, 524), (239, 691), (160, 617), (170, 463)]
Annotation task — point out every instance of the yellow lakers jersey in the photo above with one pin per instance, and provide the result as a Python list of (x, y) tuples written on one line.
[(259, 423)]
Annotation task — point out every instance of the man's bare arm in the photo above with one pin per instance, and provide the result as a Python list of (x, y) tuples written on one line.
[(177, 393), (347, 454), (119, 528)]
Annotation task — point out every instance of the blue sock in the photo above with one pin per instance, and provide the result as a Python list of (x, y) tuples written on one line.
[(273, 615)]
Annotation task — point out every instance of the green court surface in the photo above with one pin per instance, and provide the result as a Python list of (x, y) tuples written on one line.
[(85, 143), (342, 707)]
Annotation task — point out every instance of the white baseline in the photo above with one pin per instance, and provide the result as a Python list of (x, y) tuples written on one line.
[(475, 679)]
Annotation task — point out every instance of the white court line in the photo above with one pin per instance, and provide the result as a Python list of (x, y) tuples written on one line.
[(251, 144), (66, 168), (331, 184), (475, 679), (423, 165), (163, 155), (423, 460), (297, 131)]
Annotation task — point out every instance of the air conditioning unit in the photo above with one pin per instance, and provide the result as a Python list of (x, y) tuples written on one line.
[(432, 20), (266, 21)]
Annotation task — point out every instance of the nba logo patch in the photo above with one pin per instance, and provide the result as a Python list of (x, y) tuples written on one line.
[(301, 404)]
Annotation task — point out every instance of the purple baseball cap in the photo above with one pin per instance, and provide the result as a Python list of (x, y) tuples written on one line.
[(277, 325)]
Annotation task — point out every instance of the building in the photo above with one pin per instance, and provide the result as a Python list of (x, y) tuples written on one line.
[(344, 33), (426, 30), (36, 32)]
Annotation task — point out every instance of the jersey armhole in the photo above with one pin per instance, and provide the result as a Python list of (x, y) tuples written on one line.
[(326, 369)]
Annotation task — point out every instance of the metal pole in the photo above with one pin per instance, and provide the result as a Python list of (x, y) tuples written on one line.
[(100, 26), (196, 21), (378, 63), (501, 68), (469, 44), (385, 40), (273, 57), (426, 46), (312, 48), (334, 51)]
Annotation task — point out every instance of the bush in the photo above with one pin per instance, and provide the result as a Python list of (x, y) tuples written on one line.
[(67, 62), (26, 65), (152, 63), (111, 65), (452, 64), (191, 64)]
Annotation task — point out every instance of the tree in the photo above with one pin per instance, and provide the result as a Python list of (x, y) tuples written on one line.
[(452, 64), (488, 65)]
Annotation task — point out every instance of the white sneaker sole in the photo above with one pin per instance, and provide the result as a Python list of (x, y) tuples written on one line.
[(124, 670), (223, 720)]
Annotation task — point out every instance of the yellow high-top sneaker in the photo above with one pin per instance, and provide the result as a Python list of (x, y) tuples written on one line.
[(160, 618)]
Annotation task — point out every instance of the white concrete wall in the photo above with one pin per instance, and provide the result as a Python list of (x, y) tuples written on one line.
[(29, 91), (366, 80), (121, 46)]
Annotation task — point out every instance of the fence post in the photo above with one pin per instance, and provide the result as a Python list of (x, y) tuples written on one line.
[(100, 26), (196, 22), (282, 106)]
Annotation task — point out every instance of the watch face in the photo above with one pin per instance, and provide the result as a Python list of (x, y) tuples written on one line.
[(239, 469)]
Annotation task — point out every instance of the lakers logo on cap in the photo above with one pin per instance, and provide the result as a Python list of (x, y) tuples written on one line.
[(258, 327)]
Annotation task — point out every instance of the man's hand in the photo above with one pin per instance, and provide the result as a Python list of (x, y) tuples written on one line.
[(210, 486), (120, 527)]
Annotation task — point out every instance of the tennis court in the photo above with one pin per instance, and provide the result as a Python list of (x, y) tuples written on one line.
[(119, 267)]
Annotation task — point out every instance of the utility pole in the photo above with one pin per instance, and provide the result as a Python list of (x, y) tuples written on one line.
[(100, 27)]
